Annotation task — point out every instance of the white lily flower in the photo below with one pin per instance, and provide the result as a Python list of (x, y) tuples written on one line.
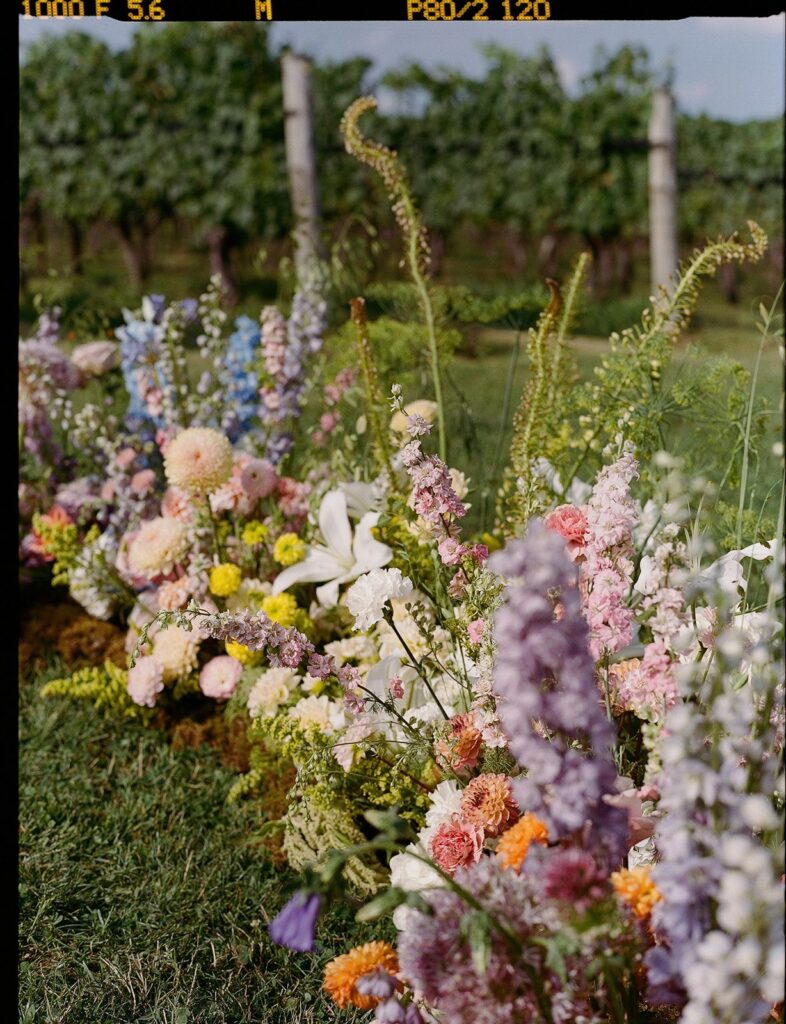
[(342, 557)]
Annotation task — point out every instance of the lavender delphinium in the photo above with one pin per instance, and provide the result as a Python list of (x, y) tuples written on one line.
[(140, 344), (720, 839), (293, 926), (544, 674)]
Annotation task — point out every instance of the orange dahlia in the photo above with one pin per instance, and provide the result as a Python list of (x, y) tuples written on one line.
[(515, 843), (488, 802), (462, 745), (343, 973), (635, 888)]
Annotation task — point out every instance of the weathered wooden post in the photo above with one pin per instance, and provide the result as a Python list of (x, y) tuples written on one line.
[(662, 190), (301, 162)]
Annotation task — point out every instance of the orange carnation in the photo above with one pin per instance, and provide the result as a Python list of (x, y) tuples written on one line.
[(635, 887), (514, 845), (343, 973)]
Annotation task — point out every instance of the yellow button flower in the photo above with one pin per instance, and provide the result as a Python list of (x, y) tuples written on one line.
[(289, 549), (254, 532), (225, 579)]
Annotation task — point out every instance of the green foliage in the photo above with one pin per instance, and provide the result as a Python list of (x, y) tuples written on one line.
[(105, 687), (630, 392)]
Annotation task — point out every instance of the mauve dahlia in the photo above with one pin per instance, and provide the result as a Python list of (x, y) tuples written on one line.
[(198, 459), (574, 877)]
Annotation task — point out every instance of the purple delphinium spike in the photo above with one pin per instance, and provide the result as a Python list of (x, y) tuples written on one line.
[(294, 924), (544, 673)]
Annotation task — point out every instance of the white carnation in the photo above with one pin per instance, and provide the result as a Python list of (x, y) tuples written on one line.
[(369, 594)]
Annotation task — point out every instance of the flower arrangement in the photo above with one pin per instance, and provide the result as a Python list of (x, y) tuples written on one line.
[(552, 752)]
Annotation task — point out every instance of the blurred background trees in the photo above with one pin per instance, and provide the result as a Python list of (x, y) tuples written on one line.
[(165, 162)]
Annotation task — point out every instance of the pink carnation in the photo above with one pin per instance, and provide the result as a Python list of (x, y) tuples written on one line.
[(456, 844), (571, 523), (145, 681), (220, 676)]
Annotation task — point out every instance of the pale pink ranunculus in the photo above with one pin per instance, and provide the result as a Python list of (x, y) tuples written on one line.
[(107, 492), (259, 478), (220, 676), (456, 844), (143, 481), (96, 357), (476, 630)]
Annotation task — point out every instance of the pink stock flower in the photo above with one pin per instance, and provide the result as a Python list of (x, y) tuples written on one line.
[(396, 687), (476, 630), (456, 844), (451, 551)]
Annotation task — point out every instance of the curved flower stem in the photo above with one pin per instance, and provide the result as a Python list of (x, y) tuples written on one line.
[(214, 527), (417, 665)]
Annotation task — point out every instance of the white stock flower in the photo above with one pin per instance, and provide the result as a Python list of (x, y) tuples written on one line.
[(342, 557), (368, 596)]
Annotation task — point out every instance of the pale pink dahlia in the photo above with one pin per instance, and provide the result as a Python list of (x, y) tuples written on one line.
[(145, 681), (199, 459), (220, 676), (157, 547)]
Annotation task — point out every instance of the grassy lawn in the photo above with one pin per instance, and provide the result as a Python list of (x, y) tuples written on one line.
[(141, 899)]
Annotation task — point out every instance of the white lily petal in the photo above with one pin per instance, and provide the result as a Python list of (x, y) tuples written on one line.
[(369, 553), (319, 564), (334, 526), (327, 595)]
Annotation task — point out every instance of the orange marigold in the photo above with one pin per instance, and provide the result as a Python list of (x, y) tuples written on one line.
[(515, 843), (635, 888), (343, 973), (488, 802)]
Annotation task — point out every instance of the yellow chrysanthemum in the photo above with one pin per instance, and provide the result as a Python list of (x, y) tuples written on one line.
[(635, 887), (343, 973), (198, 459), (242, 654), (514, 844), (225, 579), (281, 608), (254, 532), (289, 549)]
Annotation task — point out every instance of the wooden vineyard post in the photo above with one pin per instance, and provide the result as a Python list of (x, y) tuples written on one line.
[(662, 190), (301, 162)]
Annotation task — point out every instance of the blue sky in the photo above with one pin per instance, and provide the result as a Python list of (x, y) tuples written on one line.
[(728, 67)]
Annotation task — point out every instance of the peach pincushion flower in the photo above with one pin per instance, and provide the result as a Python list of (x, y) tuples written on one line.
[(488, 802), (635, 887), (157, 547), (198, 459), (514, 845), (462, 745), (456, 844), (343, 973)]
